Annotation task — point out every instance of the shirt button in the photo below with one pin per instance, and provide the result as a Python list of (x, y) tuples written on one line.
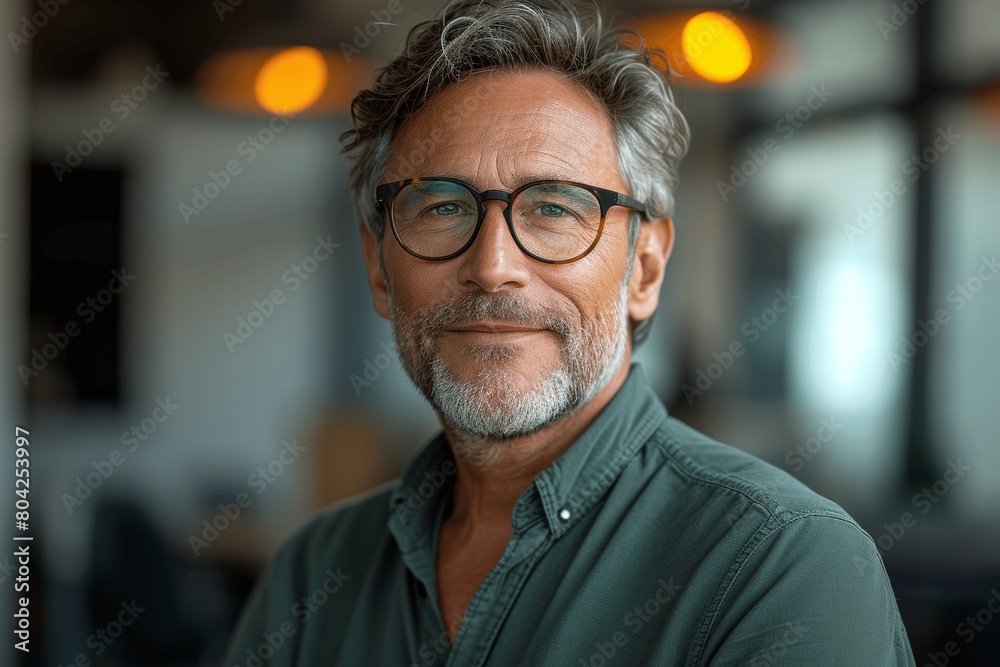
[(421, 589), (564, 514)]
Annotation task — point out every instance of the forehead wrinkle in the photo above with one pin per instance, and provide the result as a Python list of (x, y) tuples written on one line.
[(538, 165), (512, 145), (512, 164), (536, 155), (503, 166)]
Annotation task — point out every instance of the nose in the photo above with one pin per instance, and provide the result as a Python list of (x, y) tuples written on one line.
[(494, 262)]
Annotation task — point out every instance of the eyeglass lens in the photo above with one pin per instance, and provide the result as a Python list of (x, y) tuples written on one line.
[(554, 221)]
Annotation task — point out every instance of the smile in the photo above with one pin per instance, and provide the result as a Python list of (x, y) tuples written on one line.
[(493, 328), (493, 333)]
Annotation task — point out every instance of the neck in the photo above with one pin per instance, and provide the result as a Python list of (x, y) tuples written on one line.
[(485, 494)]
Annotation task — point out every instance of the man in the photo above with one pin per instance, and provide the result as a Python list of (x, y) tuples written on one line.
[(514, 177)]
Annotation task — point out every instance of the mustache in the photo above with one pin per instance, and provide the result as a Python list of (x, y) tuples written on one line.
[(501, 307)]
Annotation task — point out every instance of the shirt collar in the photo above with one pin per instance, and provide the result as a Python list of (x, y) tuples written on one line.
[(562, 493), (417, 500), (578, 479)]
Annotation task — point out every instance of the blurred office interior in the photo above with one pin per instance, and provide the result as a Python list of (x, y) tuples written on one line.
[(186, 328)]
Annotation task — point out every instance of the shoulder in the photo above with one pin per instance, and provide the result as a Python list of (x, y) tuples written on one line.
[(730, 475), (789, 566), (323, 557), (762, 509), (355, 526)]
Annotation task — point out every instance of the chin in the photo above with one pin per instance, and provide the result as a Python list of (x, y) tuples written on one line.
[(500, 402), (513, 366)]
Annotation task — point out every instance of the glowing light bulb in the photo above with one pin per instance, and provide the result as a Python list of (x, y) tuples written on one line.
[(715, 47), (291, 80)]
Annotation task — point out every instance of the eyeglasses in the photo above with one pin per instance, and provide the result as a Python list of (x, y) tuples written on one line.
[(555, 222)]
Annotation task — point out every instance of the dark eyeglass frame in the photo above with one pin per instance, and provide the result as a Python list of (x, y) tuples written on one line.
[(385, 197)]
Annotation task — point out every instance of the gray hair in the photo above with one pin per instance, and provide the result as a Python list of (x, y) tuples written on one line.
[(614, 65)]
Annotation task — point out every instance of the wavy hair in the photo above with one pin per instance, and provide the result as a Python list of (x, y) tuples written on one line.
[(614, 65)]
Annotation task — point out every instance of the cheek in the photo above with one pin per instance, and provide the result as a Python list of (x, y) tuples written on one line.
[(413, 284), (593, 289), (599, 275)]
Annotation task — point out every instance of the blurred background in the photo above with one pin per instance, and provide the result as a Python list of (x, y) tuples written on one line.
[(187, 334)]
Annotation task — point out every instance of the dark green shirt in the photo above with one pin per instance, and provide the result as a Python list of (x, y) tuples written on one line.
[(645, 543)]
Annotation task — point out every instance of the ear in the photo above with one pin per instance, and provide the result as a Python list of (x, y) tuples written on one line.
[(656, 241), (380, 291)]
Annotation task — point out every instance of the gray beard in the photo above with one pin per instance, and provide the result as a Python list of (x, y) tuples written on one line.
[(490, 408)]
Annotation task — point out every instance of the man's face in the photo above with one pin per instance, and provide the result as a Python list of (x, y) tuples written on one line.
[(502, 344)]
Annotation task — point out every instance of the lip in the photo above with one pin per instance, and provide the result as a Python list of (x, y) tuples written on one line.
[(493, 328)]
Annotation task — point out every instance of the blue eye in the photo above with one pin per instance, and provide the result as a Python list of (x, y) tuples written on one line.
[(551, 210), (449, 208)]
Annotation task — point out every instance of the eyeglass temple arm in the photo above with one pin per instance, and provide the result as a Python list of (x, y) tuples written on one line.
[(625, 200)]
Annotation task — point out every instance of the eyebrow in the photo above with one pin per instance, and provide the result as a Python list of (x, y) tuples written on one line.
[(530, 178)]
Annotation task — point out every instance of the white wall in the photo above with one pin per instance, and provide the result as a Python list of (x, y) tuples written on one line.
[(192, 283)]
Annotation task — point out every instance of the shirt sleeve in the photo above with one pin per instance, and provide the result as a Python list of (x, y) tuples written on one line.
[(812, 591)]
